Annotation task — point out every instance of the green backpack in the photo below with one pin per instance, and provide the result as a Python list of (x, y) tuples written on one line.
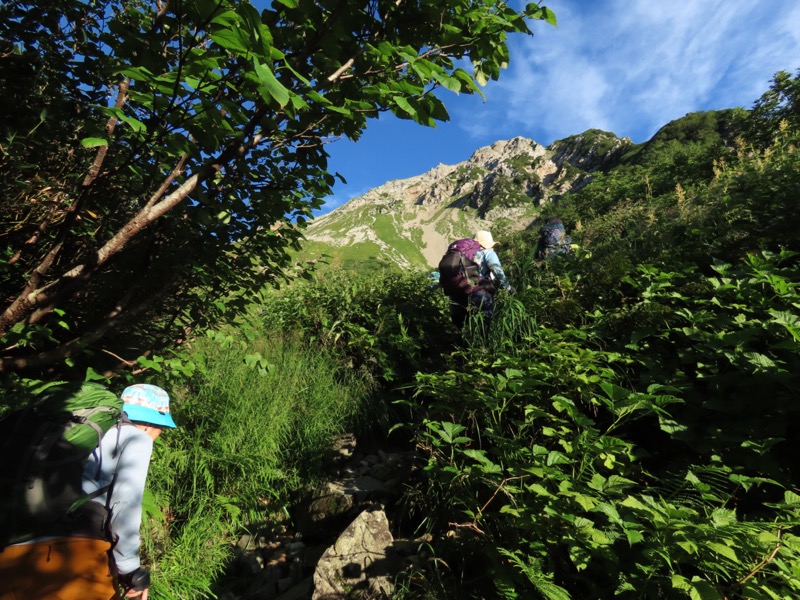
[(45, 446)]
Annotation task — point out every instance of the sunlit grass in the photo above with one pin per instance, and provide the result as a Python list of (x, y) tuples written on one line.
[(252, 429)]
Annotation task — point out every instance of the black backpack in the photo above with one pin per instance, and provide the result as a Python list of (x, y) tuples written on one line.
[(458, 271), (553, 239), (44, 448)]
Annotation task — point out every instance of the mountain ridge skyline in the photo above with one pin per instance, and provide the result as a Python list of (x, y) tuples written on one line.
[(503, 187)]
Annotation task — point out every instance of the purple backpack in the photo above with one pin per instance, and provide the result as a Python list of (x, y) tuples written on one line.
[(458, 271)]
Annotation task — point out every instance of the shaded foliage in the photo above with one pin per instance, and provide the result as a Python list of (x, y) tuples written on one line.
[(159, 159)]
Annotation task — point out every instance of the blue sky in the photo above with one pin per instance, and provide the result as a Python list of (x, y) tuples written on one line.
[(625, 66)]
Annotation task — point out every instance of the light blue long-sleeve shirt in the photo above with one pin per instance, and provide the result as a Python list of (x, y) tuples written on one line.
[(489, 264), (130, 460)]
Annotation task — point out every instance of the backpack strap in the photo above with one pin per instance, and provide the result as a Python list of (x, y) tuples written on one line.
[(98, 430), (108, 490), (471, 270)]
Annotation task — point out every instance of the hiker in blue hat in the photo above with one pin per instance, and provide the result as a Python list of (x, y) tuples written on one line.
[(120, 464)]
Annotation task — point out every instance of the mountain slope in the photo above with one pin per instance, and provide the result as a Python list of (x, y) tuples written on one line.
[(504, 187)]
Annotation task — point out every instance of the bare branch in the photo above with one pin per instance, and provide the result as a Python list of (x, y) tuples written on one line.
[(97, 164)]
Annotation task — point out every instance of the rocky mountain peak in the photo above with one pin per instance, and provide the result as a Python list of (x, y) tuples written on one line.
[(490, 157), (592, 150), (501, 187)]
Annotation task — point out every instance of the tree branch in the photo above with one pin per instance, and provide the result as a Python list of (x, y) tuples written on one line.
[(351, 61), (97, 164)]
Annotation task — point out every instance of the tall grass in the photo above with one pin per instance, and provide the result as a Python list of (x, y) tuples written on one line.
[(253, 426)]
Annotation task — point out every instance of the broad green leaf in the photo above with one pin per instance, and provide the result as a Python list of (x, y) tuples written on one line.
[(601, 537), (634, 537), (230, 39), (480, 456), (340, 110), (679, 582), (635, 503), (557, 458), (450, 83), (791, 498), (586, 502), (549, 16), (761, 361), (508, 509), (610, 511), (617, 483), (135, 124), (722, 517), (227, 18), (254, 26), (614, 392), (539, 489), (137, 73), (580, 557), (598, 482), (298, 103), (671, 426), (789, 321), (703, 590), (404, 104), (481, 77), (93, 142), (723, 550), (274, 89)]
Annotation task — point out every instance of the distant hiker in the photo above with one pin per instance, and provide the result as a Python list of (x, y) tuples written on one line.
[(470, 272), (553, 239), (66, 551), (120, 465)]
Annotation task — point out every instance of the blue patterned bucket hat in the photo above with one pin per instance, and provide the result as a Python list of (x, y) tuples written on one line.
[(147, 403)]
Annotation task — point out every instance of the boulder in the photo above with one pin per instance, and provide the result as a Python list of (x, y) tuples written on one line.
[(361, 563)]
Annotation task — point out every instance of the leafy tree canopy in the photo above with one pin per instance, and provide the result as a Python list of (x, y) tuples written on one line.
[(778, 107), (158, 157)]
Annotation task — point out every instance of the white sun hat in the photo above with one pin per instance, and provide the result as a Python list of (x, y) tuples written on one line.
[(484, 238)]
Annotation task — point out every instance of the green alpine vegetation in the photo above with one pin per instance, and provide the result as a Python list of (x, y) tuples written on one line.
[(622, 429)]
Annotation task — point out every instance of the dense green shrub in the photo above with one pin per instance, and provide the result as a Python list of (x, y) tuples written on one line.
[(584, 466), (625, 428), (389, 324)]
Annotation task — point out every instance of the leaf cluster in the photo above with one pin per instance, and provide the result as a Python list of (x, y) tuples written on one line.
[(624, 427), (166, 156)]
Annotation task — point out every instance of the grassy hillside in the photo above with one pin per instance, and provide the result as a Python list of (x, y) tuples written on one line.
[(624, 427), (410, 223), (502, 187)]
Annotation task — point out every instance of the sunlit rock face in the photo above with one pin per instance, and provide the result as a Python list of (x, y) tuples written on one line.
[(503, 188)]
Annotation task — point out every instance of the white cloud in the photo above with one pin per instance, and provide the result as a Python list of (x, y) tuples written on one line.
[(631, 66), (626, 66)]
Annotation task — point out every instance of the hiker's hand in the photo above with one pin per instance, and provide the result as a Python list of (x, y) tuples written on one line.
[(137, 583), (511, 291)]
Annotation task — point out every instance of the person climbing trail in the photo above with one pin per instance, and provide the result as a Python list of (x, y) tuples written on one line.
[(470, 273)]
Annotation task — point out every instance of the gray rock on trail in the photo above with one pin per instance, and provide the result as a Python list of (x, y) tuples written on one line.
[(361, 563), (283, 564)]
